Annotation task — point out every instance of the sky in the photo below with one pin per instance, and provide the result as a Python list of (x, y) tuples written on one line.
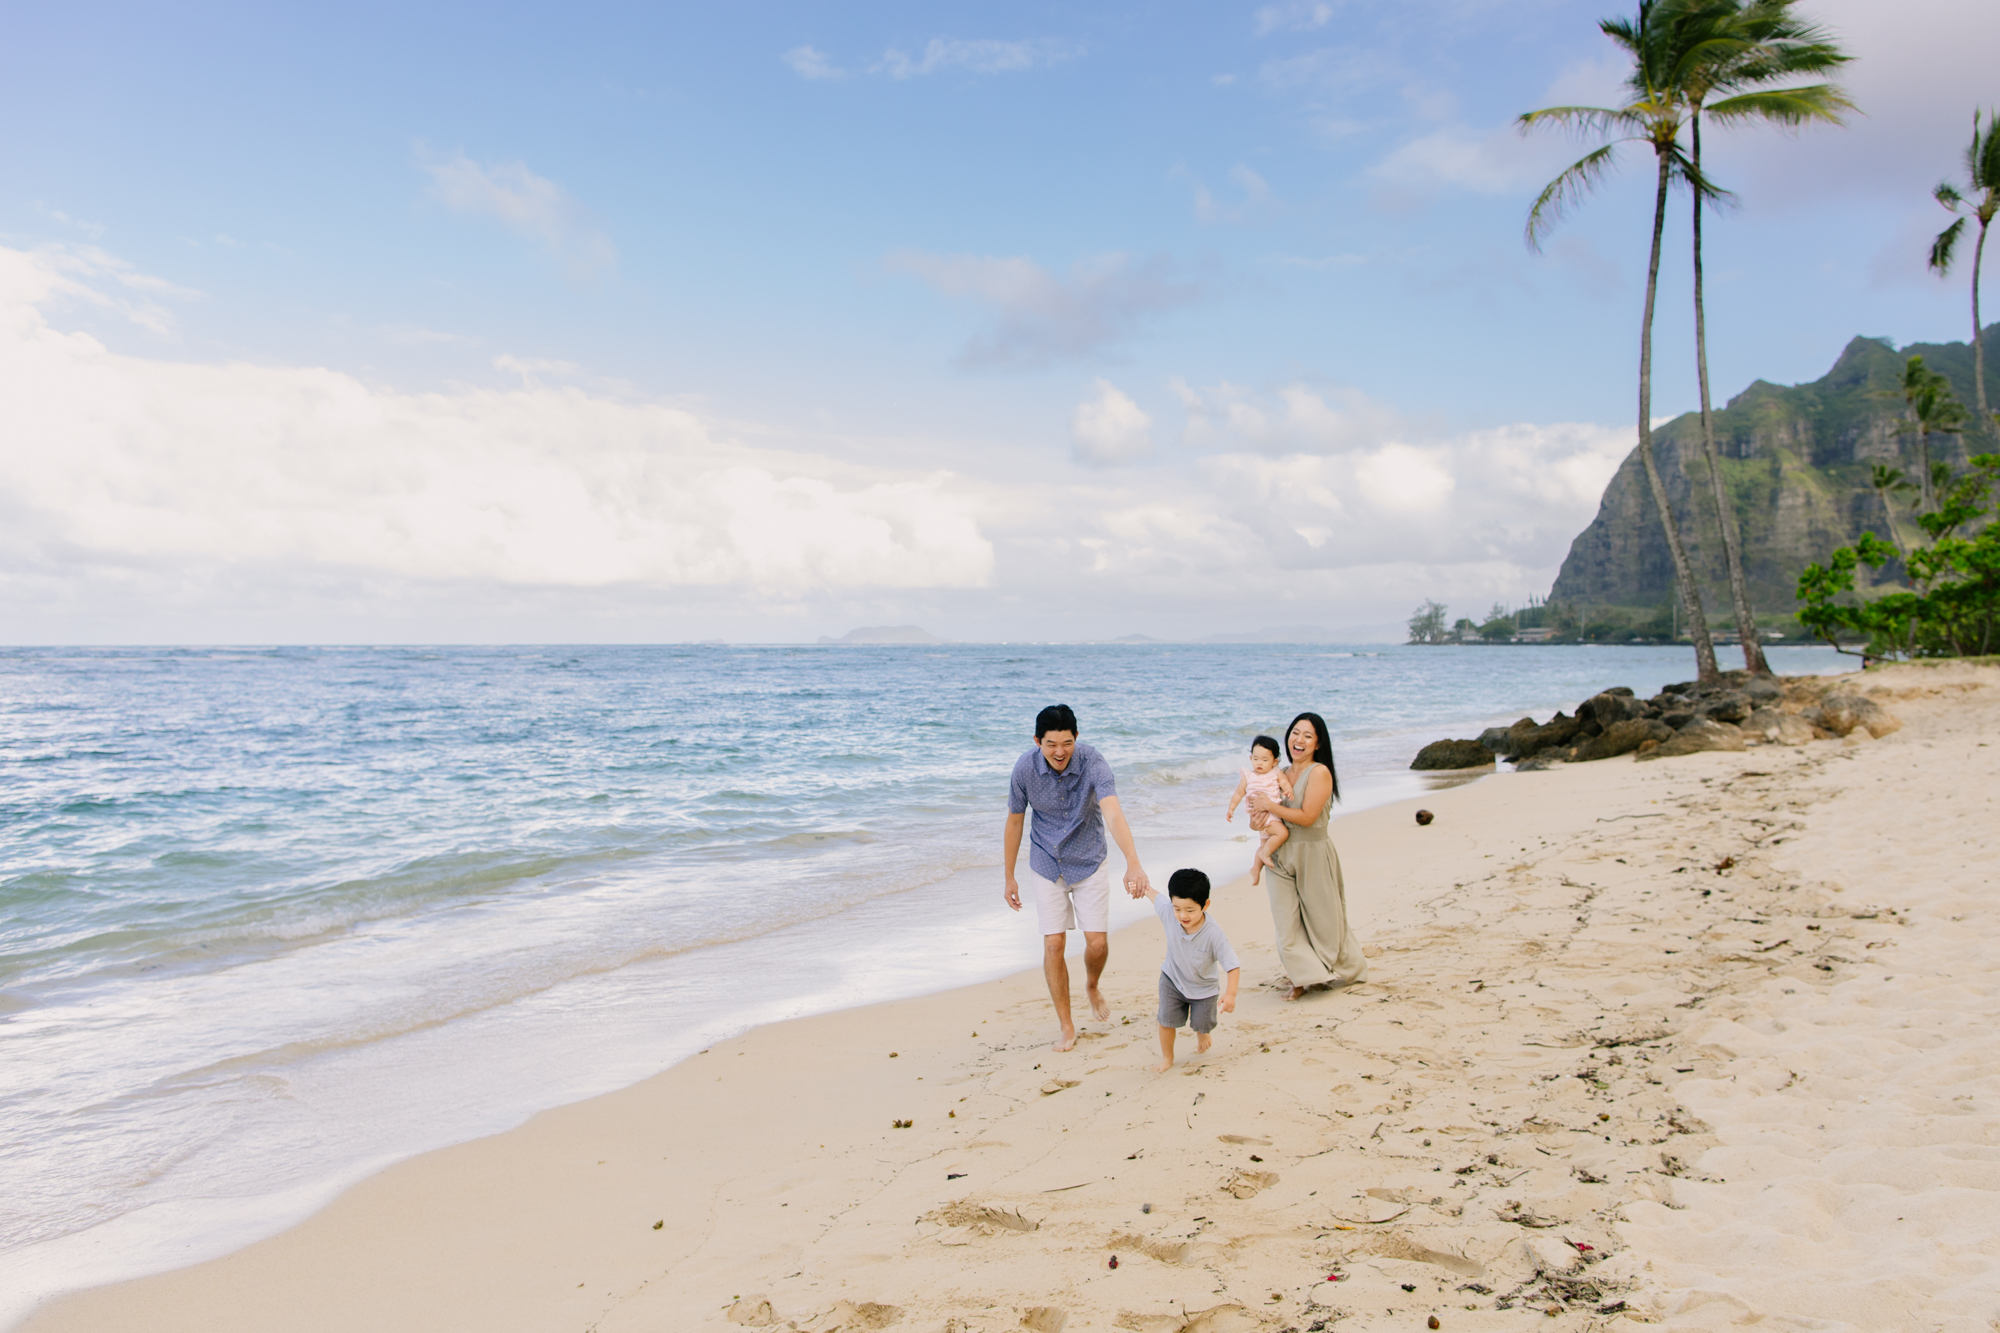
[(606, 322)]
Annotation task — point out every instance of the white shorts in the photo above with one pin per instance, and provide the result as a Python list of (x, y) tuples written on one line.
[(1062, 906)]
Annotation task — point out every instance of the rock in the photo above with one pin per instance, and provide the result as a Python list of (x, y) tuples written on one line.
[(1729, 706), (1764, 690), (1543, 759), (1622, 738), (1698, 735), (1425, 817), (1500, 740), (1610, 707), (1842, 713), (1793, 730), (1556, 732), (1452, 754), (1762, 724), (1677, 719)]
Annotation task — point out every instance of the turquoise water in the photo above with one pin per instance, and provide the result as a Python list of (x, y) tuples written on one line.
[(272, 918)]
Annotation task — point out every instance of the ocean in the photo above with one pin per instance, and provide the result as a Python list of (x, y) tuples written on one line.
[(271, 919)]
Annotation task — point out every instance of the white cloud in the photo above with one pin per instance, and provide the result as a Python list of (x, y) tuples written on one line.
[(1293, 16), (1256, 198), (1296, 419), (1039, 318), (977, 55), (94, 230), (809, 63), (1110, 428), (1400, 479), (94, 277), (529, 205), (201, 473)]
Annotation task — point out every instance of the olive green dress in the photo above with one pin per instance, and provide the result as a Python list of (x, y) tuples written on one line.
[(1309, 906)]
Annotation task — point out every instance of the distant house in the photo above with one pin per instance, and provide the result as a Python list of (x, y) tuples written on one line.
[(1540, 634)]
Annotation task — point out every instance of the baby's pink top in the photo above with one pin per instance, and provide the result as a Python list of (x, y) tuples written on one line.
[(1267, 783)]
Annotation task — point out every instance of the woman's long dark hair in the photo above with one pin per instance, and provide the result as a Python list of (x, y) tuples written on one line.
[(1323, 754)]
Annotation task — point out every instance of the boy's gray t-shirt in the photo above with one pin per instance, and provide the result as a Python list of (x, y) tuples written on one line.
[(1195, 963)]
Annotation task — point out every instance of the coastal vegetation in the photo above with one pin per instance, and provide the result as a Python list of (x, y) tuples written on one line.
[(1981, 198), (1683, 52)]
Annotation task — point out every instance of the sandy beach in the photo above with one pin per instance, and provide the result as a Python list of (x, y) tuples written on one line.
[(1703, 1041)]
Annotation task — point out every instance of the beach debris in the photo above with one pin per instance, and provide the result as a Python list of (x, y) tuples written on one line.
[(1409, 1286), (1726, 863), (1114, 1261), (901, 1124), (1056, 1085), (753, 1312), (1044, 1319), (1433, 1323), (956, 1175), (978, 1215), (1425, 817), (1243, 1138), (657, 1225), (1524, 1216), (1144, 1207), (892, 1055)]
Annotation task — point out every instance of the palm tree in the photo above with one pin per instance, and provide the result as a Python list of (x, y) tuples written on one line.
[(1733, 49), (1654, 115), (1929, 408), (1982, 169), (1888, 481)]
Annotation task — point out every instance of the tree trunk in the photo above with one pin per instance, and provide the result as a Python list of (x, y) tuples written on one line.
[(1986, 422), (1725, 512), (1704, 648)]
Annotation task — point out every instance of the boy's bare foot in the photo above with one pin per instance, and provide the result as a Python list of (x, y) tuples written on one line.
[(1295, 993), (1097, 1004), (1066, 1042), (1205, 1041), (1163, 1066), (1256, 872)]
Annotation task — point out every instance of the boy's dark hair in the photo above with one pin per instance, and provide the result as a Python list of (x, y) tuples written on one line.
[(1056, 717), (1268, 743), (1189, 884)]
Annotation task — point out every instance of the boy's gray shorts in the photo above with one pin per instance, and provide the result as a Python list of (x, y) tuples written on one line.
[(1178, 1011)]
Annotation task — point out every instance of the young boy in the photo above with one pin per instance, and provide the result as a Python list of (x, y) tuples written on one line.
[(1198, 956), (1265, 778)]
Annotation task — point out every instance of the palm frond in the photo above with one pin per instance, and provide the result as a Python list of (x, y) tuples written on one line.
[(1942, 247), (1566, 190), (1579, 120), (1982, 158), (1790, 107), (1947, 194)]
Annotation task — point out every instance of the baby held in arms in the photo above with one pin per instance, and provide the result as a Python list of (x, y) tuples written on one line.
[(1263, 776)]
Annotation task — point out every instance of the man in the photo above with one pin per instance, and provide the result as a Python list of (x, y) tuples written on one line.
[(1073, 795)]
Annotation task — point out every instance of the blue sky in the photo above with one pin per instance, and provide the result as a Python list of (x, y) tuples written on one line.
[(760, 322)]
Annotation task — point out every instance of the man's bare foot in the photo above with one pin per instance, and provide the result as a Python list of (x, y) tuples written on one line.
[(1098, 1005), (1295, 993), (1163, 1066), (1205, 1041), (1066, 1042)]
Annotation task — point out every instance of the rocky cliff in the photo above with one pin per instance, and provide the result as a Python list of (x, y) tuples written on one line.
[(1796, 462)]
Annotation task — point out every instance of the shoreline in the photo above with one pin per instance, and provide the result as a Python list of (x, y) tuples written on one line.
[(498, 1232)]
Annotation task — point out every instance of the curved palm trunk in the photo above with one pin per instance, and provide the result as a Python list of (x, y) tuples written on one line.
[(1986, 421), (1725, 513), (1704, 649)]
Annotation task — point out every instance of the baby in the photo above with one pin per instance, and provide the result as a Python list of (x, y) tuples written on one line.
[(1263, 777), (1198, 964)]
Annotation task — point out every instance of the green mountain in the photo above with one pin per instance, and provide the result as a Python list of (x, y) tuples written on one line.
[(1796, 463)]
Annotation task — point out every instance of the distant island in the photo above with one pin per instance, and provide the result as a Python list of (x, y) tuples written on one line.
[(886, 634)]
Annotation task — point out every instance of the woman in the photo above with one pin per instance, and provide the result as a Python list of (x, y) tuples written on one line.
[(1308, 905)]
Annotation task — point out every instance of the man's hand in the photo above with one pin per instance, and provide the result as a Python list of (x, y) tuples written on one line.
[(1136, 882), (1012, 894)]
